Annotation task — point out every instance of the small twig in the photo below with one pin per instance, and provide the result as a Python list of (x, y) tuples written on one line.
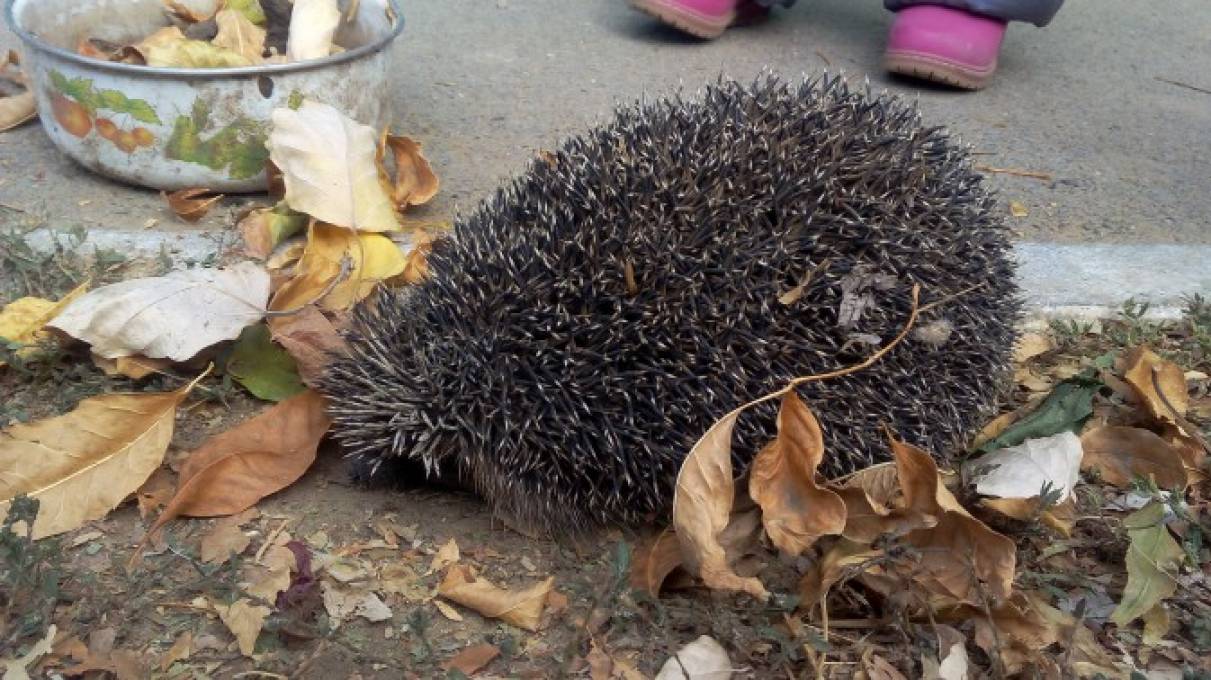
[(1045, 176), (1187, 86), (269, 540), (948, 298), (260, 674)]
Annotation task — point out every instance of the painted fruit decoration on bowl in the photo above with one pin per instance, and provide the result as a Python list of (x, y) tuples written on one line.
[(80, 108)]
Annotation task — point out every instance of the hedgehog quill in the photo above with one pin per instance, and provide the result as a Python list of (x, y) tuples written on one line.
[(583, 327)]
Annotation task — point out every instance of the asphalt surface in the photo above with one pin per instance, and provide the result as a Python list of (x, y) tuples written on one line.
[(486, 84)]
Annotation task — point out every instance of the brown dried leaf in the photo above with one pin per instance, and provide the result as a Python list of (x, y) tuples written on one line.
[(135, 367), (180, 651), (245, 621), (1061, 517), (1160, 384), (238, 34), (446, 555), (1121, 454), (235, 469), (83, 464), (191, 205), (311, 339), (844, 558), (1191, 451), (472, 659), (702, 505), (223, 542), (795, 510), (654, 561), (155, 492), (1031, 345), (522, 608), (415, 181)]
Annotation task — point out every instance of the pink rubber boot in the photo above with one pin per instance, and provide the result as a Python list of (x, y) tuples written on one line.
[(945, 45), (702, 18)]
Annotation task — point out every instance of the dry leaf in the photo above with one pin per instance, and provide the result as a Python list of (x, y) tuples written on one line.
[(237, 468), (1061, 517), (952, 647), (245, 621), (329, 165), (16, 110), (191, 205), (446, 555), (1022, 471), (795, 510), (83, 464), (134, 367), (447, 611), (180, 651), (174, 316), (1119, 455), (472, 659), (186, 53), (15, 669), (843, 559), (155, 492), (22, 320), (601, 666), (702, 659), (415, 181), (654, 561), (184, 12), (521, 608), (375, 259), (311, 339), (1018, 209), (264, 229), (1164, 396), (702, 505), (1156, 625), (1030, 345), (239, 35), (223, 542), (312, 25), (1153, 558)]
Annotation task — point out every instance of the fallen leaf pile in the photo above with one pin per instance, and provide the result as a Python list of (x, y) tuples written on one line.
[(235, 33), (896, 540)]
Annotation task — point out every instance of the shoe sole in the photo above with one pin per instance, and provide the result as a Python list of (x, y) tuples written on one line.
[(931, 68), (695, 24)]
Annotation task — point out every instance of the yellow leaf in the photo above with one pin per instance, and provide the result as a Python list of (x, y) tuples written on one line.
[(1152, 559), (83, 464), (185, 53), (795, 510), (1156, 625), (1159, 384), (22, 320), (702, 506), (522, 608), (330, 169), (245, 621), (374, 258), (239, 35), (1018, 209)]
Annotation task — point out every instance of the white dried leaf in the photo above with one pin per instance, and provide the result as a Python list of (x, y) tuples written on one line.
[(702, 659), (329, 165), (1021, 471), (174, 316), (312, 25)]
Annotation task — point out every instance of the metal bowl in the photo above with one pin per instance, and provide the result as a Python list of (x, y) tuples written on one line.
[(173, 128)]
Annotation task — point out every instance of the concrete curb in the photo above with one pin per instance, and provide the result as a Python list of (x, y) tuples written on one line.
[(1064, 281)]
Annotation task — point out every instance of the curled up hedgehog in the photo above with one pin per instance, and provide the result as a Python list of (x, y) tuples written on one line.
[(583, 327)]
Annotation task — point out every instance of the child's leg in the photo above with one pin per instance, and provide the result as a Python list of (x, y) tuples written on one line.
[(956, 42)]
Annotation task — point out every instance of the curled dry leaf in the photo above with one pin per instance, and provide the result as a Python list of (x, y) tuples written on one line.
[(1153, 558), (654, 561), (192, 205), (329, 165), (83, 464), (1159, 384), (472, 659), (239, 35), (312, 25), (795, 510), (1120, 455), (522, 608), (237, 468), (245, 621), (375, 259), (703, 659), (311, 339), (415, 181), (845, 558), (1021, 471), (174, 316), (702, 506), (264, 228)]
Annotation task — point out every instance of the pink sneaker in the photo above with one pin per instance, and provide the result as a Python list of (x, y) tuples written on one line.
[(702, 18), (944, 45)]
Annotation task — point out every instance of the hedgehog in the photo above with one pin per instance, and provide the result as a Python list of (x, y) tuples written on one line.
[(581, 328)]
